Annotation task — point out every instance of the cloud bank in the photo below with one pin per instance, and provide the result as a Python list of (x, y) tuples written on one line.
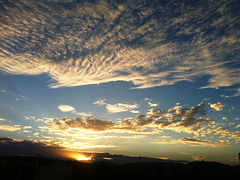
[(13, 147), (179, 119), (148, 43)]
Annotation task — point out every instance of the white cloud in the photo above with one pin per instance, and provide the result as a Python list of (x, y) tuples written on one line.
[(66, 108), (102, 42), (36, 134), (25, 131), (9, 128), (100, 102), (217, 107), (149, 101), (120, 107), (153, 105), (238, 126), (1, 119), (225, 118), (30, 117), (27, 127), (84, 114), (134, 112)]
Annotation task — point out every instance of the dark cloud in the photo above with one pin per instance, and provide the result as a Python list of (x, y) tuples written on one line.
[(84, 123), (193, 140), (203, 142), (13, 147)]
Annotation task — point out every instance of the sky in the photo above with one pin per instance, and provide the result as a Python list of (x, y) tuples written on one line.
[(131, 77)]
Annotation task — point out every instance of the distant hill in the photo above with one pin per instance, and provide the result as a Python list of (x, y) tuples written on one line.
[(28, 168)]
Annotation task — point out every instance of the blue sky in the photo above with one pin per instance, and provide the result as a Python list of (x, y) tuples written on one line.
[(149, 78)]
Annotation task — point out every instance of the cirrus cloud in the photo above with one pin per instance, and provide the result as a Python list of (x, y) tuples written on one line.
[(202, 142), (121, 107), (118, 107), (147, 43)]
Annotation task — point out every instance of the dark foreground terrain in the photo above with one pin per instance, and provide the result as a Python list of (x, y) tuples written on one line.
[(27, 168)]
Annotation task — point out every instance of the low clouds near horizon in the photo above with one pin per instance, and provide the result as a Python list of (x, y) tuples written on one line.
[(179, 119), (14, 147), (148, 43)]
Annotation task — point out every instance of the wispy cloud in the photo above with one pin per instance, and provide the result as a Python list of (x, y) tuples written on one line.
[(18, 97), (121, 107), (151, 104), (236, 94), (27, 127), (118, 107), (146, 43), (202, 142)]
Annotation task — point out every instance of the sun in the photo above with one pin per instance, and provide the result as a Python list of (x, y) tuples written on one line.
[(81, 157)]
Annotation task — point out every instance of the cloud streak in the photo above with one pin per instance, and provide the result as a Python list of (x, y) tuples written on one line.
[(147, 43), (10, 128), (202, 142), (118, 107)]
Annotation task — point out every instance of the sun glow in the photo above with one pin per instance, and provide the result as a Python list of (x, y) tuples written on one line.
[(81, 157)]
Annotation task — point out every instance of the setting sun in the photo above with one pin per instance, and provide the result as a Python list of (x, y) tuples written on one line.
[(81, 157)]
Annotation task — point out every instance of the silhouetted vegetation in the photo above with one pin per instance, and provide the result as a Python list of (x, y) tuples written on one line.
[(28, 168)]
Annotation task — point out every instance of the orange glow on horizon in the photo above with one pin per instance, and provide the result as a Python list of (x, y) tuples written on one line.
[(80, 157)]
